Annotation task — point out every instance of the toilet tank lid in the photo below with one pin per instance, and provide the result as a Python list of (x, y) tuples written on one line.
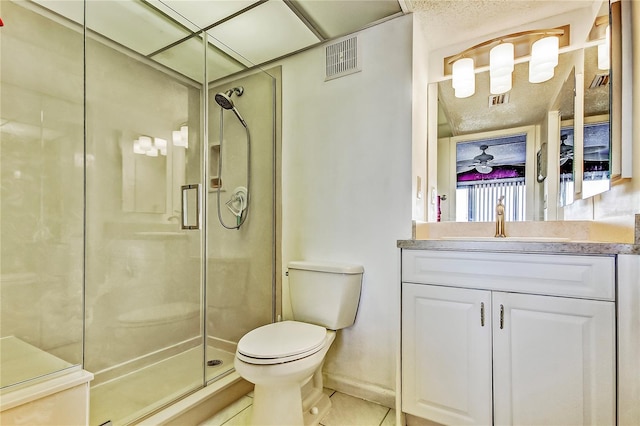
[(320, 266)]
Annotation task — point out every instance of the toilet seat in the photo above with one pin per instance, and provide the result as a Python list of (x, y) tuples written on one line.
[(281, 342)]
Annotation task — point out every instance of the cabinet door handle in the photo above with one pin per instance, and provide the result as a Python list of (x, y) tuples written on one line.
[(482, 314), (501, 317)]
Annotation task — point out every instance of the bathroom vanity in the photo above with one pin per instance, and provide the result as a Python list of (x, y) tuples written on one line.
[(515, 332)]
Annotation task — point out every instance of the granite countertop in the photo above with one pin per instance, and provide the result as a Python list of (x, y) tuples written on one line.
[(498, 245)]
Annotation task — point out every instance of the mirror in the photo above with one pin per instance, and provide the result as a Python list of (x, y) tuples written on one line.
[(150, 182), (596, 146), (567, 108), (561, 171), (483, 116), (144, 181)]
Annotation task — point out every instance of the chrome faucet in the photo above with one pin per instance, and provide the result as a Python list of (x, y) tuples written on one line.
[(500, 220)]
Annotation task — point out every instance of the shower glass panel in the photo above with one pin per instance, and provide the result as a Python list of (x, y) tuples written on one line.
[(41, 192), (144, 310), (240, 264), (101, 127)]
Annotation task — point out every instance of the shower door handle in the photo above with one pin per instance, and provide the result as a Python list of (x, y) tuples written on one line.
[(190, 217)]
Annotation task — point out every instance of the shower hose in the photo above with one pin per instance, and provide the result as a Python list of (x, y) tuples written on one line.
[(243, 215)]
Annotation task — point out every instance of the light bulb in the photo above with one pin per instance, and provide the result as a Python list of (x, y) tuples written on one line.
[(501, 60), (463, 78)]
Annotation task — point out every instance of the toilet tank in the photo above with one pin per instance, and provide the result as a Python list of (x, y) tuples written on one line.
[(325, 294)]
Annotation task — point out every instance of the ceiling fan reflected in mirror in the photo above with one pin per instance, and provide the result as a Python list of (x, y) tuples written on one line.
[(481, 161), (596, 153), (566, 151)]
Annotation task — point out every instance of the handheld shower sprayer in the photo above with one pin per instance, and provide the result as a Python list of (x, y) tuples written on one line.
[(238, 205), (224, 100)]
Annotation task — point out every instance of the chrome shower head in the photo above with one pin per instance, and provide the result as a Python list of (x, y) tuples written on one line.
[(224, 100)]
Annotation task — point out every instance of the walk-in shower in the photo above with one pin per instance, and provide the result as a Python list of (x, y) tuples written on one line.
[(97, 141)]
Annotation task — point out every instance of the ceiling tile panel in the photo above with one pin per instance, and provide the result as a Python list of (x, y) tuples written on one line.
[(133, 24), (265, 32), (340, 17), (197, 14), (187, 58)]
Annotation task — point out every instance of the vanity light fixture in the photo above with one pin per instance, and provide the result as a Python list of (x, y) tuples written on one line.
[(464, 78), (501, 60), (544, 59), (542, 46)]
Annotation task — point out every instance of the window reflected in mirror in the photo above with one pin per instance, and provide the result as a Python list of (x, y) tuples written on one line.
[(597, 142), (567, 182), (487, 170), (597, 172)]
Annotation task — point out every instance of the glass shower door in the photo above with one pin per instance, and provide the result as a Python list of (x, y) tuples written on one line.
[(144, 310)]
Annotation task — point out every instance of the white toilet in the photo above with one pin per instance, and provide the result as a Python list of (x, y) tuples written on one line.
[(284, 360)]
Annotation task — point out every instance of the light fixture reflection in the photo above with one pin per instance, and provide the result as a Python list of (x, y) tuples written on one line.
[(181, 137), (603, 53), (137, 149), (145, 143), (484, 169)]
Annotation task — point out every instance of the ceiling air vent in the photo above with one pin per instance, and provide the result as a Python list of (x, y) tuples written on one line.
[(342, 58), (600, 80), (498, 99)]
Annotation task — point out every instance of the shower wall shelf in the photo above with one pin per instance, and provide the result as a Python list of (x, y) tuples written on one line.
[(215, 181)]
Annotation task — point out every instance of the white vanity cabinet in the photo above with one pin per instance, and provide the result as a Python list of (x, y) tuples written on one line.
[(508, 339)]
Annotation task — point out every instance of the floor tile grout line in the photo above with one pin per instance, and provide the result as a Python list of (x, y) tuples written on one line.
[(237, 414), (384, 417)]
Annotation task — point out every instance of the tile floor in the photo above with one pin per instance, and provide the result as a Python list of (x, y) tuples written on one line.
[(345, 411)]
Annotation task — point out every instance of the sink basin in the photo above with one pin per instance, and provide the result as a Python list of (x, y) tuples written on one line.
[(517, 239)]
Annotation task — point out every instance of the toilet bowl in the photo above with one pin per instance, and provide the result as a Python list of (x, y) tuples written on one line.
[(293, 353), (283, 358)]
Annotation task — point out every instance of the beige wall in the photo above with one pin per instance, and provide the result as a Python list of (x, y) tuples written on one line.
[(347, 190)]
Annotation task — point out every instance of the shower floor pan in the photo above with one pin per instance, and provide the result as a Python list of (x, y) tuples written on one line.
[(126, 399)]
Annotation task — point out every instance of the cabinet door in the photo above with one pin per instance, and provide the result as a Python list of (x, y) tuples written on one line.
[(446, 354), (553, 361)]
